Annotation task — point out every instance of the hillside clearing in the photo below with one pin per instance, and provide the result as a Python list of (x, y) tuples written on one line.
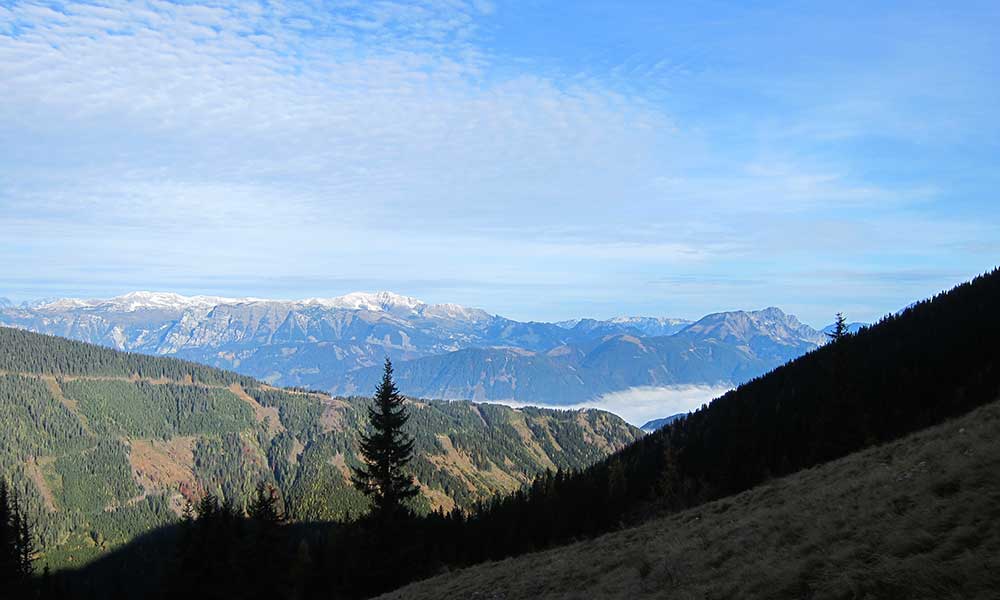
[(263, 414), (917, 518)]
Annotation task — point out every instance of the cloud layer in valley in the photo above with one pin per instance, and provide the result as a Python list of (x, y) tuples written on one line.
[(642, 404)]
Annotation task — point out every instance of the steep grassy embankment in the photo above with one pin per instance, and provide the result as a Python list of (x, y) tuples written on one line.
[(917, 518)]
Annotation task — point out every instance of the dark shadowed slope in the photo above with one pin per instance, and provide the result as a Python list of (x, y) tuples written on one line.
[(915, 519)]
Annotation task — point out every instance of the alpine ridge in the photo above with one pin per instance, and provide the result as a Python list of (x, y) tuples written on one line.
[(441, 350)]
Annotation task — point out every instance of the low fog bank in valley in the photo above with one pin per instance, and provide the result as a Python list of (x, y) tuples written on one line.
[(639, 405)]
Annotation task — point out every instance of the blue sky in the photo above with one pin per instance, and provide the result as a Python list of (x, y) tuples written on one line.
[(542, 160)]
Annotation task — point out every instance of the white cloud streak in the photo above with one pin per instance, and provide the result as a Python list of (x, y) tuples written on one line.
[(640, 405)]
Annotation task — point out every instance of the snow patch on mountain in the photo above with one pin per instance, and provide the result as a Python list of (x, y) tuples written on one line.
[(652, 326), (384, 301), (457, 312), (646, 326), (134, 301), (372, 301)]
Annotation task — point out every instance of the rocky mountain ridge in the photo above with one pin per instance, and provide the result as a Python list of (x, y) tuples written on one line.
[(334, 344)]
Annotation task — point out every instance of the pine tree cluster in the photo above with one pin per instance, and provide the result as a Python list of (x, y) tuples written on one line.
[(17, 548)]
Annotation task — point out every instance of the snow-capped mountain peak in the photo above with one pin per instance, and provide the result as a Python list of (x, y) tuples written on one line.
[(383, 301), (399, 305), (142, 300), (374, 301), (646, 326), (170, 301), (568, 324)]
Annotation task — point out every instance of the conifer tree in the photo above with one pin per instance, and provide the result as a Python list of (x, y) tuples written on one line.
[(208, 507), (265, 507), (17, 548), (24, 542), (187, 516), (266, 558), (8, 537), (386, 451), (839, 328)]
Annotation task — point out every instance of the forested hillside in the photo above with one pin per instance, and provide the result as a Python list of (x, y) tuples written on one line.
[(103, 445)]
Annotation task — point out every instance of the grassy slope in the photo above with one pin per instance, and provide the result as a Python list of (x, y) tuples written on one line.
[(917, 518)]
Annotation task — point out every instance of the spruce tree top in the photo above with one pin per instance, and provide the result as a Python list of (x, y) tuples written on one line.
[(839, 328), (386, 450)]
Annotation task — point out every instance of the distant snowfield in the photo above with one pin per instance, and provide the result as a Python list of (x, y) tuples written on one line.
[(641, 404)]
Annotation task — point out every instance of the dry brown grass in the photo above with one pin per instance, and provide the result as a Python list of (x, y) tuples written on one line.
[(340, 462), (333, 418), (437, 498), (34, 473), (519, 422), (590, 436), (71, 405), (459, 463), (262, 414), (918, 518), (159, 465)]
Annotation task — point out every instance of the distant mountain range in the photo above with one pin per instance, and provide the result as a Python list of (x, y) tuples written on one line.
[(646, 326), (440, 350)]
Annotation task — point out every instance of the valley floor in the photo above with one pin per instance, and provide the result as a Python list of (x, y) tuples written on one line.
[(917, 518)]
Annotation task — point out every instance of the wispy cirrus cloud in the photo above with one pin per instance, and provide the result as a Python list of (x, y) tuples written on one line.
[(533, 148), (369, 103)]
